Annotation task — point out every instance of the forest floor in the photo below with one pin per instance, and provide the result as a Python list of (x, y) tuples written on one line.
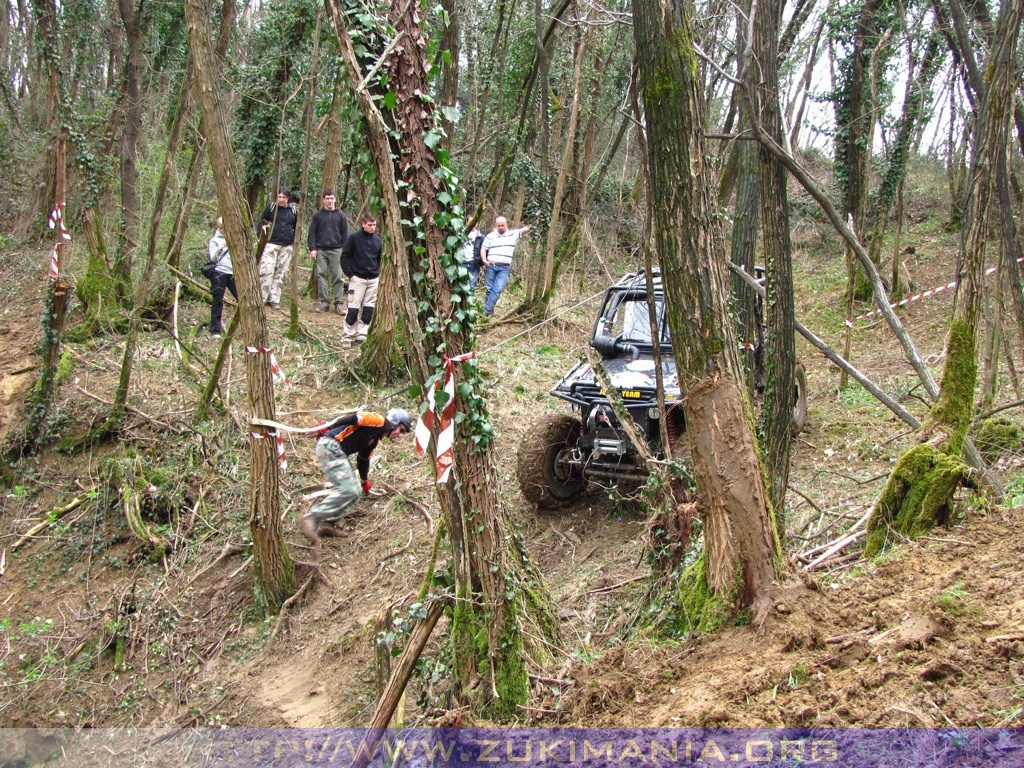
[(94, 633)]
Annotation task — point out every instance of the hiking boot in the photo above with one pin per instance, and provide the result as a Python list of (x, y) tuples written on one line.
[(324, 308), (339, 309), (308, 528), (328, 529)]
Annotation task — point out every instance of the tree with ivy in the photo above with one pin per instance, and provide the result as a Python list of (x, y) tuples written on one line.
[(920, 491), (741, 548), (502, 614)]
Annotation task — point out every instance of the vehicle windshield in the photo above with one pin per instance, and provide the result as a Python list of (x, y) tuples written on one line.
[(626, 316)]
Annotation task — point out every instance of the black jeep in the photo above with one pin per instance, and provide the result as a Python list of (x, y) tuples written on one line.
[(559, 456)]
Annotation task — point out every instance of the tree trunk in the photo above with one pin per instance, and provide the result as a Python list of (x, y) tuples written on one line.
[(308, 113), (741, 550), (920, 491), (274, 569), (498, 593), (744, 230), (779, 354), (128, 239)]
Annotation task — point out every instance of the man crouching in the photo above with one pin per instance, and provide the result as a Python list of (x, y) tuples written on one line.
[(358, 434)]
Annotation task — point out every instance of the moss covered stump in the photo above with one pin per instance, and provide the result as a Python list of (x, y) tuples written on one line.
[(918, 496)]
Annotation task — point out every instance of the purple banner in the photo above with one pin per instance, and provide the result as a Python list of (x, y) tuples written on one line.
[(512, 747)]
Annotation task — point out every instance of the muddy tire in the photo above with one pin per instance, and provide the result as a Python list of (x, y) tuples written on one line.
[(543, 479), (796, 426)]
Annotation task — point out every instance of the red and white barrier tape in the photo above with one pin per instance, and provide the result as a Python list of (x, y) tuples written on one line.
[(445, 423), (56, 221), (282, 462), (920, 296), (275, 369)]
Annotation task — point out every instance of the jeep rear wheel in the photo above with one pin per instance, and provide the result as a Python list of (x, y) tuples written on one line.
[(545, 478), (796, 426)]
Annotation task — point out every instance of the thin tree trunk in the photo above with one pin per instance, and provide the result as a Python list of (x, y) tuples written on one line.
[(498, 593), (128, 239), (920, 491), (780, 343), (274, 569), (308, 113)]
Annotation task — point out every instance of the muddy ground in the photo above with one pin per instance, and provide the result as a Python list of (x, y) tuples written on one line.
[(92, 633)]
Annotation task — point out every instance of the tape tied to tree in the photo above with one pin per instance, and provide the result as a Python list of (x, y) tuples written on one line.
[(56, 221), (920, 296), (275, 369), (444, 424), (282, 462)]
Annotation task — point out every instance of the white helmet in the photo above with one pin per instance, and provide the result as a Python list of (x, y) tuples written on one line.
[(399, 417)]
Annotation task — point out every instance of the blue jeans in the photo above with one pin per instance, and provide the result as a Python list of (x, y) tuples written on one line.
[(496, 279), (474, 274)]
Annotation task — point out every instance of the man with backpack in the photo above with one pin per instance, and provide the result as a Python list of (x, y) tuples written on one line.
[(471, 257), (277, 255)]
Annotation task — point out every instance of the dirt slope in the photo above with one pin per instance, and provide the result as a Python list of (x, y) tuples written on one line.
[(95, 634)]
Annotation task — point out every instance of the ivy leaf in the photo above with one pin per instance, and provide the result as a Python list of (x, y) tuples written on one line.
[(450, 112), (432, 138), (390, 100)]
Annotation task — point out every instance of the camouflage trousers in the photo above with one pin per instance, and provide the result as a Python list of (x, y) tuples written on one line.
[(340, 473)]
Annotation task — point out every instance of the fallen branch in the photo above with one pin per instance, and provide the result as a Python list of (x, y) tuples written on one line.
[(810, 553), (1005, 638), (132, 410), (50, 519), (229, 549), (414, 504), (613, 587), (395, 688), (839, 546), (397, 552)]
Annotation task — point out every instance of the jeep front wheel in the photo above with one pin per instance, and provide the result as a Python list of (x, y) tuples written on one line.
[(545, 478)]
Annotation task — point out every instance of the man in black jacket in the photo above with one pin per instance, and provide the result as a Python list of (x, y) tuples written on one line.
[(327, 233), (277, 254), (360, 261)]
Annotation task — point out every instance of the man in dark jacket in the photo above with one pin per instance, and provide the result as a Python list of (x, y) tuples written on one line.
[(277, 254), (355, 434), (327, 233), (360, 261)]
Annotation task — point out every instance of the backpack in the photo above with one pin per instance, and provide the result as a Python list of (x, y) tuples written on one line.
[(478, 260)]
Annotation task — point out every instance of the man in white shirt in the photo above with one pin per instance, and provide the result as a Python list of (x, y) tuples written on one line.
[(496, 253)]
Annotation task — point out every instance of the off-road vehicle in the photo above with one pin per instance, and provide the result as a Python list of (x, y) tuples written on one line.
[(562, 453)]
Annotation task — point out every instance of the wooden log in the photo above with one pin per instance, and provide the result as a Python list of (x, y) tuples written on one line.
[(395, 688), (50, 519)]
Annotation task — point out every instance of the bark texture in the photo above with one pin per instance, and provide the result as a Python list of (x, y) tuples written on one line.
[(740, 549), (274, 569)]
